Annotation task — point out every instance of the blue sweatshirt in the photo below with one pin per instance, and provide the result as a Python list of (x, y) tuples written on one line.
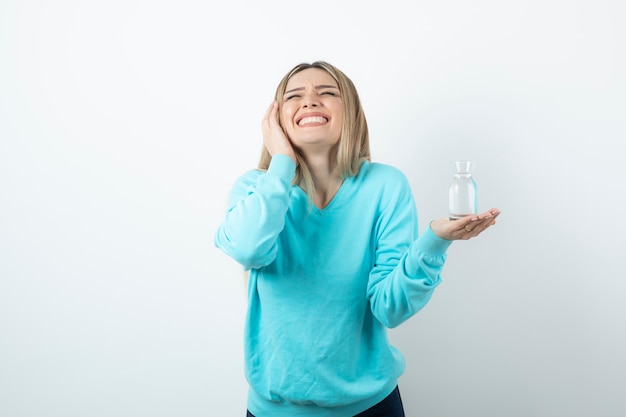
[(324, 286)]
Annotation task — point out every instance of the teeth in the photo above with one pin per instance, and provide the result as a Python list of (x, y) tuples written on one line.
[(313, 119)]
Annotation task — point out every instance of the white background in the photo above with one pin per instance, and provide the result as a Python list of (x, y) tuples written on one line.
[(123, 125)]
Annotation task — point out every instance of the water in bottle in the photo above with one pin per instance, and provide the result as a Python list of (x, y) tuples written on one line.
[(463, 195)]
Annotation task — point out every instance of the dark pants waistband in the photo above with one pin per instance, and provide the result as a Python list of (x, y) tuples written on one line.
[(391, 406)]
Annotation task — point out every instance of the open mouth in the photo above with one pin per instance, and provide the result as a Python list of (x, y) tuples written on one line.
[(312, 120)]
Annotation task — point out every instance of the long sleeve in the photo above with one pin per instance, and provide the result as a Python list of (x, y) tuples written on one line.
[(407, 268), (256, 214)]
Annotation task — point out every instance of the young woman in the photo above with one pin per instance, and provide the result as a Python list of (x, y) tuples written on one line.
[(330, 240)]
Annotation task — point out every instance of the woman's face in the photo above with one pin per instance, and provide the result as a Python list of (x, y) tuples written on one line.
[(312, 110)]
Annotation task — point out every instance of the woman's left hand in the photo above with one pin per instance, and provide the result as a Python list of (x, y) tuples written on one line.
[(466, 227)]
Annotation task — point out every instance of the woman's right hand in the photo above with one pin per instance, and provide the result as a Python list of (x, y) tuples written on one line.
[(274, 137)]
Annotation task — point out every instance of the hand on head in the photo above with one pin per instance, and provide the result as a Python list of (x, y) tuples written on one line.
[(274, 137)]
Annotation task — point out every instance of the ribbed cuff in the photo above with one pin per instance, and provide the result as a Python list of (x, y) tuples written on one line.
[(282, 166), (432, 244)]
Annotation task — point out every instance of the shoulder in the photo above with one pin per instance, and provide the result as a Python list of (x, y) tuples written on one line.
[(386, 188), (384, 183), (377, 172)]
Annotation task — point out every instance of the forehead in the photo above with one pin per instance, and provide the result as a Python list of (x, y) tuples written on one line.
[(311, 76)]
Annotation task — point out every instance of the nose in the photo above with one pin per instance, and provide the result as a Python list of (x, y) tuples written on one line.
[(310, 101)]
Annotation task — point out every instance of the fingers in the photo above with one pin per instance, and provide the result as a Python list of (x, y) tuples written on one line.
[(274, 137), (270, 116), (472, 226), (269, 124)]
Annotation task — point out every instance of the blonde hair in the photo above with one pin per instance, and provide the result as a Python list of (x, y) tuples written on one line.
[(354, 140)]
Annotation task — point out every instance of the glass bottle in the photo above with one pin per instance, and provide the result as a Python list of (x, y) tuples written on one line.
[(463, 193)]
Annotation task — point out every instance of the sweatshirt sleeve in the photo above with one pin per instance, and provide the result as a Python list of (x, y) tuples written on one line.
[(256, 213), (407, 268)]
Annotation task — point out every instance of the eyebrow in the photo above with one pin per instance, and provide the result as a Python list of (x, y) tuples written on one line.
[(317, 87)]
